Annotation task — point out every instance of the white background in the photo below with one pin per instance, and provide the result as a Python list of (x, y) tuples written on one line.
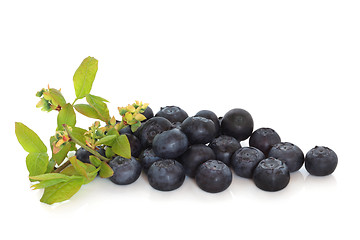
[(292, 64)]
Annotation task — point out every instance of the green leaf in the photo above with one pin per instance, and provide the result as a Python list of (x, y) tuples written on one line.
[(66, 116), (105, 170), (139, 117), (87, 110), (107, 140), (80, 169), (112, 131), (28, 139), (90, 169), (50, 166), (57, 97), (37, 163), (100, 107), (109, 153), (121, 146), (47, 183), (60, 156), (135, 126), (78, 134), (62, 191), (95, 160), (48, 176), (85, 76)]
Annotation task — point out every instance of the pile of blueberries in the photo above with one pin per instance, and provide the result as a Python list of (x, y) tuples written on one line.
[(171, 145)]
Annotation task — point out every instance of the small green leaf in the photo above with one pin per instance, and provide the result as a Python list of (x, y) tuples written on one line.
[(95, 160), (66, 116), (80, 169), (57, 97), (85, 76), (105, 170), (92, 174), (109, 153), (107, 140), (48, 183), (63, 190), (112, 131), (60, 156), (37, 163), (50, 166), (78, 134), (139, 117), (90, 169), (128, 116), (135, 126), (121, 146), (87, 110), (100, 107), (28, 139), (48, 176)]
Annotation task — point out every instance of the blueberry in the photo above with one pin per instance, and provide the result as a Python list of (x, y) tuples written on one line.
[(149, 129), (213, 176), (172, 113), (170, 144), (198, 129), (289, 154), (237, 123), (126, 129), (271, 175), (212, 116), (245, 160), (263, 139), (224, 146), (177, 125), (148, 157), (83, 155), (194, 156), (126, 170), (321, 161), (166, 175), (135, 145), (148, 113)]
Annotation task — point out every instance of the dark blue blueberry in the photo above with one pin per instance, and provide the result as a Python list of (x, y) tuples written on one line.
[(148, 113), (213, 176), (149, 129), (166, 175), (172, 113), (271, 175), (199, 130), (126, 129), (321, 161), (263, 139), (83, 155), (288, 153), (194, 156), (177, 125), (148, 157), (212, 116), (126, 170), (224, 146), (170, 144), (245, 160), (237, 123)]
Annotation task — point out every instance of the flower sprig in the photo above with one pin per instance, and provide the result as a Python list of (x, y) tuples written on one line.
[(132, 114), (61, 174), (51, 99)]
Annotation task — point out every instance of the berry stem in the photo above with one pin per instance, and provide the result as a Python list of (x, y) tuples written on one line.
[(62, 167), (84, 146), (74, 102)]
